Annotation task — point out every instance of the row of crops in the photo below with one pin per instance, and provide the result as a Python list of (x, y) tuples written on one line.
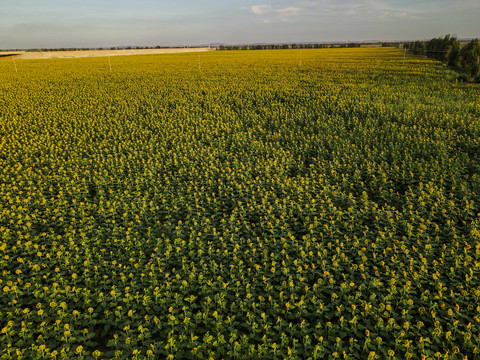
[(253, 207)]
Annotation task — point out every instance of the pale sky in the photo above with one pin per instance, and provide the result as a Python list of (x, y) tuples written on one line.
[(105, 23)]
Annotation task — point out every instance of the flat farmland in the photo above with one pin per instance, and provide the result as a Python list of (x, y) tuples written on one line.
[(94, 53), (288, 204)]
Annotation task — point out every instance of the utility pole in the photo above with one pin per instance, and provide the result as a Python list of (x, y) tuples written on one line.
[(198, 61), (109, 63)]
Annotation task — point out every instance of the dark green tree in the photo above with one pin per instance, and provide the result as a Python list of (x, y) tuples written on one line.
[(454, 52), (470, 58)]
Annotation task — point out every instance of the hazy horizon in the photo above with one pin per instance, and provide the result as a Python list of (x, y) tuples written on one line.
[(108, 23)]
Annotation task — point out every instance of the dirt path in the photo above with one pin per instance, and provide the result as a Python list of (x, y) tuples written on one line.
[(93, 53)]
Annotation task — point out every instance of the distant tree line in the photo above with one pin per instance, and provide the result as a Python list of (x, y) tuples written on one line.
[(450, 51), (300, 46), (98, 48), (273, 46), (391, 44)]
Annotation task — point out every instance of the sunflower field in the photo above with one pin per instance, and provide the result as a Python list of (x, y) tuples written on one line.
[(239, 205)]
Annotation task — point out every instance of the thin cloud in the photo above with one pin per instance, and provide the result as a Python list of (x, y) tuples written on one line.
[(271, 15), (360, 9), (289, 11), (260, 9)]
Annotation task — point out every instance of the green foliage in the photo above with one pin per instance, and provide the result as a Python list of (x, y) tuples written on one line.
[(248, 209), (471, 58), (417, 47), (449, 51)]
